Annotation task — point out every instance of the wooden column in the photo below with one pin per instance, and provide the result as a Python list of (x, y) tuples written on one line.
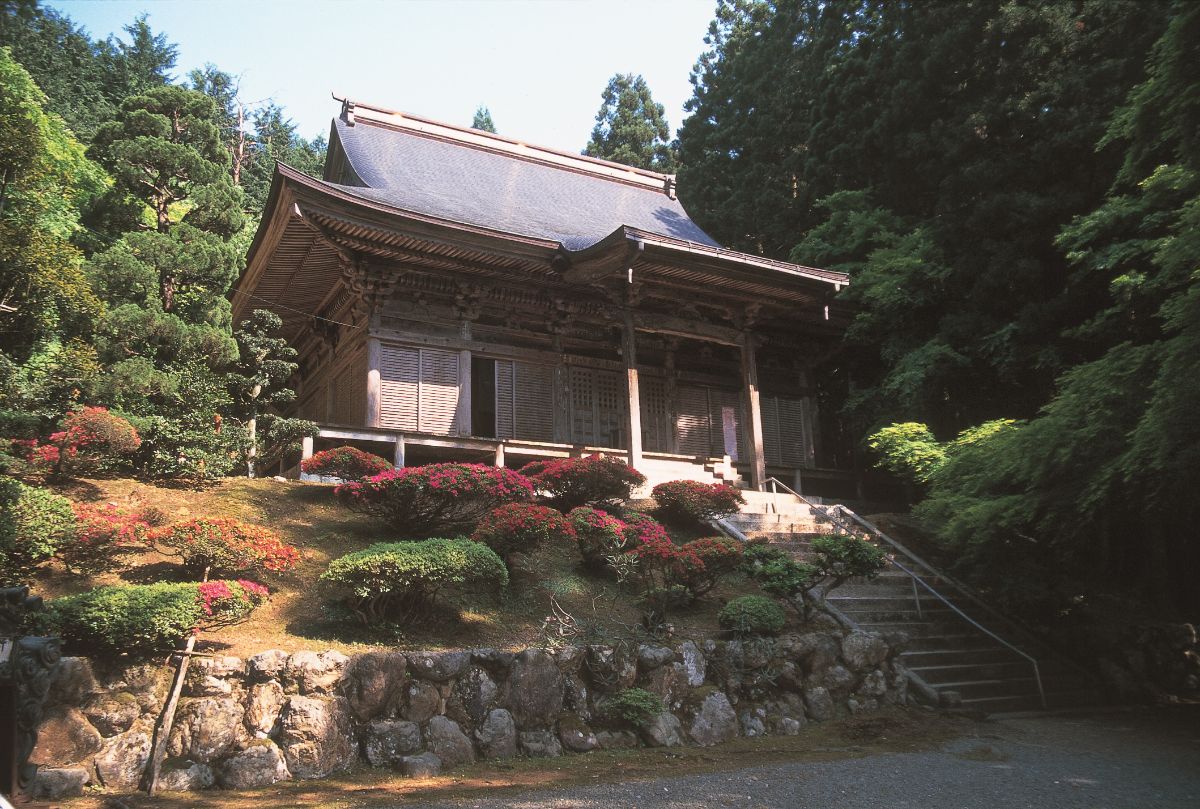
[(464, 382), (672, 394), (500, 455), (754, 432), (306, 447), (633, 420), (398, 456), (562, 396), (374, 387)]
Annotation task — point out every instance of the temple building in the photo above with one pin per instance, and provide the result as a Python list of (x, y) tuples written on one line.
[(455, 294)]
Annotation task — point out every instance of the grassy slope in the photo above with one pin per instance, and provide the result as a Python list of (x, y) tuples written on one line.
[(307, 517)]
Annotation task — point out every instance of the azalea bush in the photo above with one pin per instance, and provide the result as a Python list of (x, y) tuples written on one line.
[(102, 532), (721, 556), (34, 524), (594, 479), (93, 440), (600, 535), (147, 619), (690, 501), (221, 545), (400, 581), (446, 498), (752, 615), (347, 463), (522, 527), (659, 568)]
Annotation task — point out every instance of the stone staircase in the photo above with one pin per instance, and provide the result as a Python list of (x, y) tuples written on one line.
[(950, 659)]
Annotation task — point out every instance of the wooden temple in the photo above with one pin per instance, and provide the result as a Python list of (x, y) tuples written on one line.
[(457, 294)]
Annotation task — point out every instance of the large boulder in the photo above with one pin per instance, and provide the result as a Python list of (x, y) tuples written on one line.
[(386, 742), (664, 730), (539, 744), (112, 712), (611, 668), (121, 759), (448, 743), (214, 676), (815, 652), (186, 777), (819, 703), (616, 740), (497, 735), (71, 680), (863, 651), (438, 667), (206, 729), (259, 765), (425, 765), (713, 721), (58, 783), (651, 656), (373, 684), (313, 673), (314, 735), (535, 694), (264, 704), (422, 701), (575, 735), (473, 695), (267, 665), (65, 737), (694, 666)]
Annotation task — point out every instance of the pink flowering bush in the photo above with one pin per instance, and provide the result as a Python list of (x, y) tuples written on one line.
[(102, 532), (595, 479), (346, 463), (600, 535), (223, 603), (444, 498), (521, 527), (689, 501), (226, 546), (94, 440), (720, 555)]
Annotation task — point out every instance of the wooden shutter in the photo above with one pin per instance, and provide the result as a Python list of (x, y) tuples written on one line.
[(772, 437), (399, 387), (583, 406), (505, 417), (656, 427), (793, 433), (692, 420), (439, 392), (610, 408), (718, 400), (533, 395), (350, 394)]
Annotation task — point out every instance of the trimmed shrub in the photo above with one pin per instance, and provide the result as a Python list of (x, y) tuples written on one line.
[(752, 615), (521, 527), (633, 706), (399, 581), (102, 532), (720, 556), (689, 501), (34, 523), (94, 440), (600, 535), (227, 546), (346, 463), (833, 560), (146, 619), (595, 479), (660, 569), (418, 501)]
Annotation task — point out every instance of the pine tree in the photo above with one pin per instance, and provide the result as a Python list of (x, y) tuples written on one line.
[(483, 120), (631, 128), (265, 363)]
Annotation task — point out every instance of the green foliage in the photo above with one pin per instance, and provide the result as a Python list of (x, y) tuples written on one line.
[(635, 707), (34, 523), (483, 120), (834, 559), (908, 450), (259, 378), (631, 127), (752, 615), (400, 581)]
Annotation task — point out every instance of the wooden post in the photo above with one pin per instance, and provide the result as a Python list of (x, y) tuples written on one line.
[(464, 383), (562, 396), (672, 395), (374, 385), (500, 455), (754, 435), (398, 457), (633, 420), (306, 447)]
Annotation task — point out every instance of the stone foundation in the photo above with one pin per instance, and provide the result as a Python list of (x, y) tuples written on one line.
[(275, 716)]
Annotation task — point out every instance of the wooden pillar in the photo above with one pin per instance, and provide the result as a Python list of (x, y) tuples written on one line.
[(306, 447), (500, 455), (398, 453), (633, 416), (463, 415), (672, 395), (563, 433), (374, 385), (754, 432)]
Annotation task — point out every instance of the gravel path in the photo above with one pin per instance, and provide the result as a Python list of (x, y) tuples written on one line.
[(1133, 760)]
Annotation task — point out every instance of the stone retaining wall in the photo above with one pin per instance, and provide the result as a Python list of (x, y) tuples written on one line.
[(275, 716)]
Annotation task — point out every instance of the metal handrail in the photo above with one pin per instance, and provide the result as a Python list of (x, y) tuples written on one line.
[(916, 579)]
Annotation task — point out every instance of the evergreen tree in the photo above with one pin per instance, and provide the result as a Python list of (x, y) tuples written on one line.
[(483, 120), (265, 364), (139, 65), (631, 128)]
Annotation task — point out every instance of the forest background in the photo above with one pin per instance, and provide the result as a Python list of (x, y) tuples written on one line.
[(1012, 186)]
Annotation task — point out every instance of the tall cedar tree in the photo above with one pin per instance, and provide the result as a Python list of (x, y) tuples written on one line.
[(265, 364), (483, 120), (631, 128)]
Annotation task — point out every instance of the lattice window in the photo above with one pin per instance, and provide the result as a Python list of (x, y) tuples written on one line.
[(583, 406), (656, 417)]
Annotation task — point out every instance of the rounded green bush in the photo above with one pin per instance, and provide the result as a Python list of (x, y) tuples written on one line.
[(633, 706), (33, 524), (752, 615), (400, 580)]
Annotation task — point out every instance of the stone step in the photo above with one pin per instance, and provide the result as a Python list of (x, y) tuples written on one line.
[(1066, 698), (1014, 668), (952, 639), (956, 655)]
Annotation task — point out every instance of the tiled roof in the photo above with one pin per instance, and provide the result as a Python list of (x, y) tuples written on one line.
[(504, 186)]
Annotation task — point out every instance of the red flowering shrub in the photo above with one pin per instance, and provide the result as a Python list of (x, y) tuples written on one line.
[(659, 568), (93, 440), (521, 527), (600, 535), (346, 463), (591, 480), (226, 546), (720, 555), (229, 602), (102, 533), (443, 498), (689, 501)]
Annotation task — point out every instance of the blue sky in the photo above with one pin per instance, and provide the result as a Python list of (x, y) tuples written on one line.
[(539, 66)]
